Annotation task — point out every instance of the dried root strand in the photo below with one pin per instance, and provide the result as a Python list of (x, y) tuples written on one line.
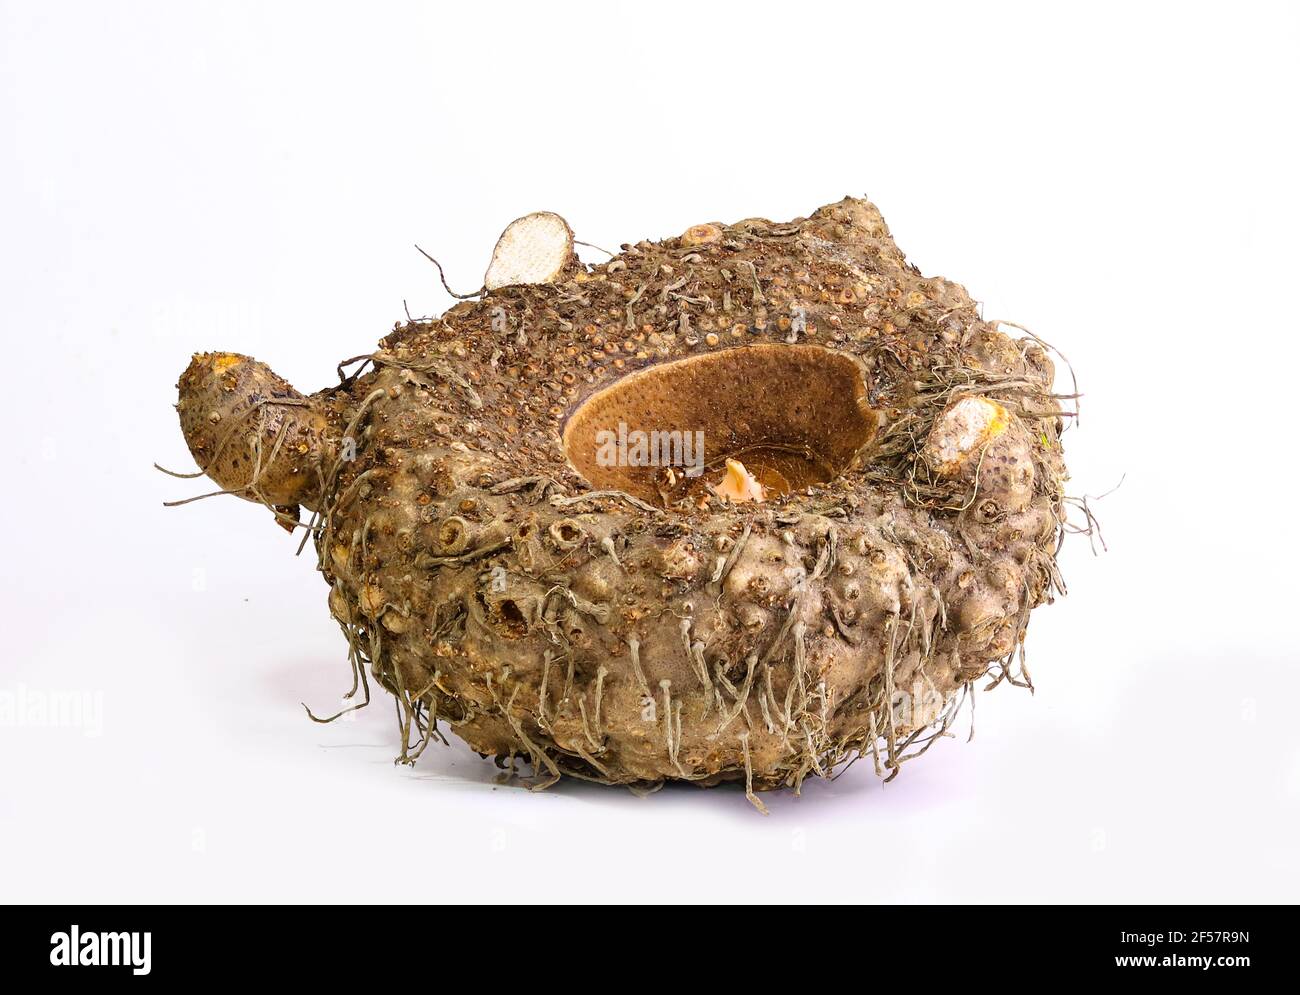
[(634, 648), (742, 697), (539, 757), (749, 776)]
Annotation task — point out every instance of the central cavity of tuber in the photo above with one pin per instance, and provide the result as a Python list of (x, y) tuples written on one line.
[(795, 415)]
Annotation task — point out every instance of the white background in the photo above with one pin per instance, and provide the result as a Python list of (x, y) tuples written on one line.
[(251, 177)]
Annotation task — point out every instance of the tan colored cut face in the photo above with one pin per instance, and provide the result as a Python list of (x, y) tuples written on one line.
[(793, 415)]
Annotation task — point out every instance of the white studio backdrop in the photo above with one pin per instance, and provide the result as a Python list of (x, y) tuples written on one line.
[(251, 177)]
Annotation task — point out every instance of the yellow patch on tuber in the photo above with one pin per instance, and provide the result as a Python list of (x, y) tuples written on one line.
[(739, 485), (965, 428)]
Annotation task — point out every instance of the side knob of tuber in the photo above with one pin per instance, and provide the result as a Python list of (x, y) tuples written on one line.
[(251, 432)]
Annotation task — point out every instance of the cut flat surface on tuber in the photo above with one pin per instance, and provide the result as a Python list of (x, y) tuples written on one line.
[(533, 249)]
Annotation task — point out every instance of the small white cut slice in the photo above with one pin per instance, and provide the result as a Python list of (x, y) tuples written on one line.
[(532, 249)]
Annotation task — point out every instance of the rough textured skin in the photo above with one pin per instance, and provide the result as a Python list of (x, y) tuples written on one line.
[(602, 634)]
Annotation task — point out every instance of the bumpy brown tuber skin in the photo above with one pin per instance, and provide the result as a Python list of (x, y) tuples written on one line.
[(624, 627)]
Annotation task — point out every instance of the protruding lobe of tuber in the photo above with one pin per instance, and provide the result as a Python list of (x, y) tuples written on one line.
[(250, 431)]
